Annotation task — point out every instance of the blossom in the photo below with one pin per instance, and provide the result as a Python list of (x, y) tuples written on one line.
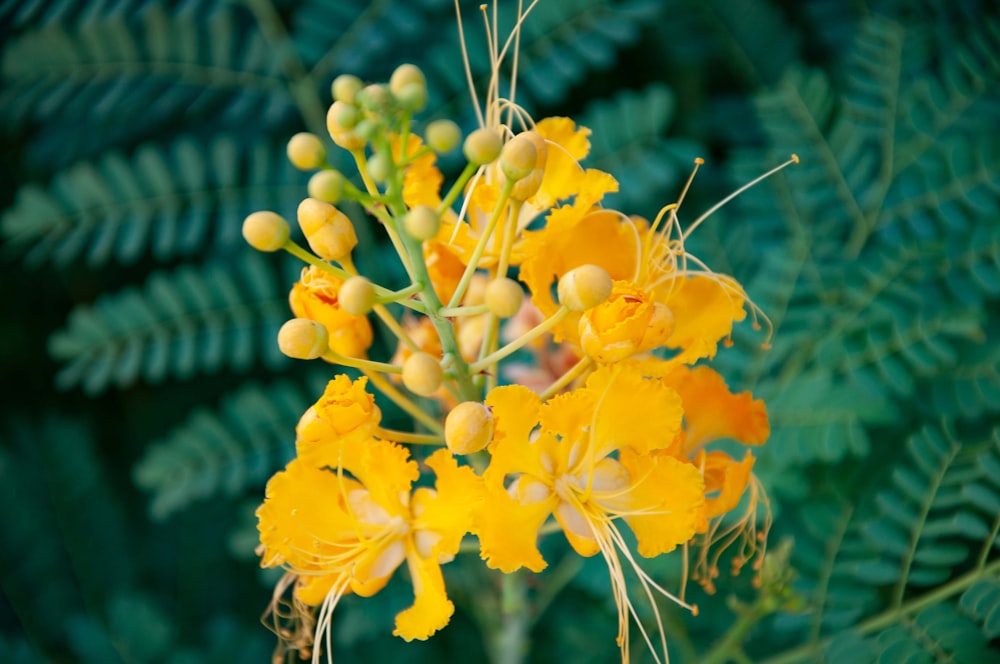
[(314, 296), (586, 460), (347, 529), (345, 412), (627, 324)]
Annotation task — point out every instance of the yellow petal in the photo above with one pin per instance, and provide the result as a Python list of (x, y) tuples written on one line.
[(431, 609), (633, 412), (712, 412), (314, 297), (346, 410), (387, 472), (515, 414), (313, 589), (508, 530), (450, 512), (727, 477), (421, 179), (704, 312), (666, 501)]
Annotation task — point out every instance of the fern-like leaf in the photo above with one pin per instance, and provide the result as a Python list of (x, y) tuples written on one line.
[(180, 323), (223, 451), (170, 201)]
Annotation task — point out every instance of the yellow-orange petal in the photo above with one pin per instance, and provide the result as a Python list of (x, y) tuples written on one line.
[(725, 477), (431, 608), (704, 313), (515, 413), (633, 412), (450, 513), (508, 530), (662, 519), (712, 412)]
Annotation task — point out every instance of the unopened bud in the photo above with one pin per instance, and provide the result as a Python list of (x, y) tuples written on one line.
[(518, 157), (327, 186), (529, 184), (421, 223), (265, 231), (374, 99), (422, 374), (303, 339), (468, 427), (343, 136), (443, 136), (584, 287), (345, 87), (409, 86), (329, 231), (306, 151), (482, 146), (356, 296), (504, 297)]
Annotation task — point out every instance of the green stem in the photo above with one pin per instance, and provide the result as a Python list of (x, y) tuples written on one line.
[(456, 189), (407, 437), (307, 257), (457, 312), (484, 239), (368, 366), (521, 341), (578, 369), (509, 644)]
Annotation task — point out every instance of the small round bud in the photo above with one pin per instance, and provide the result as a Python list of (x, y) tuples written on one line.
[(328, 230), (343, 136), (413, 97), (366, 130), (374, 99), (345, 87), (348, 116), (265, 231), (504, 297), (482, 146), (306, 151), (468, 427), (380, 167), (443, 136), (421, 223), (518, 157), (356, 296), (404, 75), (303, 339), (422, 374), (584, 287), (530, 183), (327, 186)]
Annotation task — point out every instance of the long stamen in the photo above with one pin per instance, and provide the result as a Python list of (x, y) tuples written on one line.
[(468, 67)]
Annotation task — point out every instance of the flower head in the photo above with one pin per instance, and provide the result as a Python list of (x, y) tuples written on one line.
[(314, 296)]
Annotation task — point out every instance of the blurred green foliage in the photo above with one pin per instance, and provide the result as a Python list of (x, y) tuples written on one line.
[(146, 404)]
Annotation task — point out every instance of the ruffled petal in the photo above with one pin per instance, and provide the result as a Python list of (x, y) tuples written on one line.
[(633, 412), (515, 414), (712, 412), (704, 312), (508, 530), (431, 609), (450, 513), (387, 472), (666, 502), (725, 477)]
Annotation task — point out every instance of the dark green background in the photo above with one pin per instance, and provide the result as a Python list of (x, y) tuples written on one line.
[(145, 404)]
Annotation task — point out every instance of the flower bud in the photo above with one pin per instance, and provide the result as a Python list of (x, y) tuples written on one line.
[(345, 87), (443, 135), (628, 323), (422, 374), (421, 223), (357, 296), (306, 151), (584, 287), (518, 157), (380, 167), (413, 97), (303, 339), (343, 136), (409, 86), (327, 186), (482, 146), (504, 297), (265, 231), (529, 184), (374, 99), (348, 116), (328, 230), (468, 427)]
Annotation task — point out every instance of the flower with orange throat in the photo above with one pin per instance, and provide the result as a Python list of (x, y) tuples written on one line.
[(586, 460), (346, 529), (314, 296)]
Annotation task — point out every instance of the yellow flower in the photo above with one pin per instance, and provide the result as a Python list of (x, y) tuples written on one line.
[(347, 530), (587, 460), (421, 177), (314, 297), (345, 412), (563, 178), (627, 324)]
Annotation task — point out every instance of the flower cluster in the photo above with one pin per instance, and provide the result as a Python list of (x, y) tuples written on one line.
[(552, 347)]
